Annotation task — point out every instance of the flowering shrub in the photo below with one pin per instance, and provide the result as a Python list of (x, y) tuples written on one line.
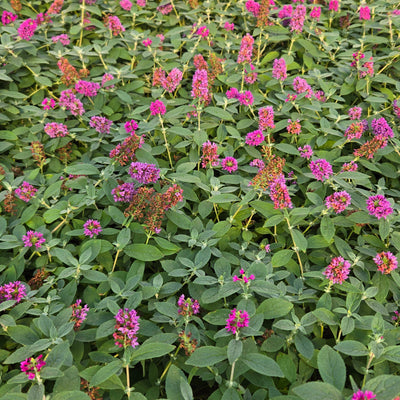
[(199, 200)]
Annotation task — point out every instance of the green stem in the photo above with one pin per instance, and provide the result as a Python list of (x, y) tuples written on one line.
[(128, 384), (295, 248), (163, 130), (82, 23)]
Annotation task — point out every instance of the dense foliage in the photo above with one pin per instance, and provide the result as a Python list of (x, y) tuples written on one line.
[(199, 200)]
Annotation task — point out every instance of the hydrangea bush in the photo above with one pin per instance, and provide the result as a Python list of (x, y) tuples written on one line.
[(199, 200)]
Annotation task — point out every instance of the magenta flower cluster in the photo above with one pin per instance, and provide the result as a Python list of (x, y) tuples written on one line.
[(381, 127), (126, 326), (89, 89), (305, 151), (200, 86), (379, 206), (321, 169), (338, 201), (33, 238), (279, 70), (55, 129), (12, 291), (229, 164), (237, 319), (386, 262), (92, 228), (100, 124), (32, 366), (79, 313), (26, 191), (361, 395), (279, 193), (266, 118), (338, 270), (244, 278), (188, 306), (157, 108), (124, 192), (69, 101), (131, 126), (27, 29), (255, 138), (246, 49), (144, 173)]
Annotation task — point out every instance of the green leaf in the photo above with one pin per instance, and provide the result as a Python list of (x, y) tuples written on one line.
[(207, 356), (287, 148), (331, 367), (326, 316), (106, 372), (82, 169), (186, 390), (262, 364), (28, 351), (71, 395), (327, 228), (274, 308), (151, 350), (231, 394), (304, 345), (36, 392), (265, 208), (173, 383), (347, 325), (123, 238), (143, 252), (281, 257), (386, 387), (352, 348), (223, 198), (22, 334), (299, 240), (219, 113), (317, 391), (235, 348)]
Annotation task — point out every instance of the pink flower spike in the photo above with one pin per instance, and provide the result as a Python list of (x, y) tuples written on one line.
[(237, 319)]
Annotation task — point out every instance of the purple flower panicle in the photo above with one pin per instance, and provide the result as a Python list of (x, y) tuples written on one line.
[(79, 313), (12, 291), (144, 173), (127, 326), (188, 306), (321, 169)]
